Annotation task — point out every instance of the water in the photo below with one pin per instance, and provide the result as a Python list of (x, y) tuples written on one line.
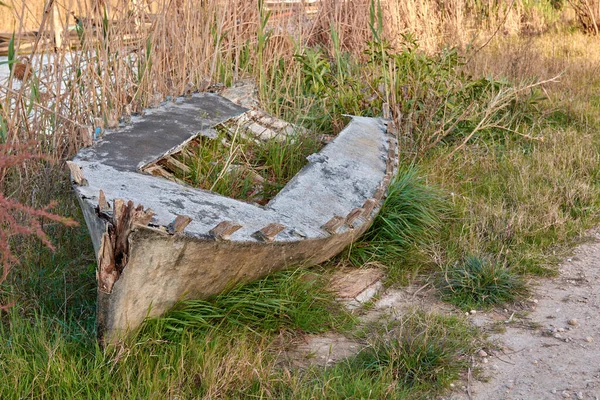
[(3, 68)]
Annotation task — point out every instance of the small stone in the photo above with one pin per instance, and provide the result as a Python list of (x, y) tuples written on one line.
[(566, 394), (580, 395), (573, 322), (561, 329), (557, 336), (467, 313), (553, 391), (452, 385), (535, 301), (589, 339), (482, 353), (535, 361), (485, 360), (569, 259), (473, 312)]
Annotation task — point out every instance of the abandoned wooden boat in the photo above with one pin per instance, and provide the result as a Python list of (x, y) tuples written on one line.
[(159, 241)]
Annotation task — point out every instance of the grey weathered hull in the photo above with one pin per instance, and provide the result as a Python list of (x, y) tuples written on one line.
[(147, 263)]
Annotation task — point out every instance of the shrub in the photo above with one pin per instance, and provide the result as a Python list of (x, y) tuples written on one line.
[(588, 15), (17, 219)]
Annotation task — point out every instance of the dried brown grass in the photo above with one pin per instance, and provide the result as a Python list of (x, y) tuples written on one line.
[(135, 59)]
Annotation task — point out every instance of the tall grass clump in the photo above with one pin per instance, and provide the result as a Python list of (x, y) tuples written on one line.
[(417, 358), (41, 358), (480, 282), (289, 300), (409, 220)]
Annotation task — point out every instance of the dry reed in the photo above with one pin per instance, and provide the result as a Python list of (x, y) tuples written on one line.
[(127, 58)]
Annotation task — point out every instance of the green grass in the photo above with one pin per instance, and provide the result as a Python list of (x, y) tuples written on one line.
[(522, 201), (408, 222), (504, 193), (242, 167), (480, 282), (290, 300), (415, 357)]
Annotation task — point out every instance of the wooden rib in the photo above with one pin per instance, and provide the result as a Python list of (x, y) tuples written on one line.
[(175, 164), (157, 170), (389, 167), (179, 224), (369, 206), (334, 224), (379, 193), (391, 150), (387, 178), (353, 215), (268, 233), (224, 230), (76, 173)]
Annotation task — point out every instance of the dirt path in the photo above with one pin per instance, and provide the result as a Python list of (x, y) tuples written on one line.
[(553, 351)]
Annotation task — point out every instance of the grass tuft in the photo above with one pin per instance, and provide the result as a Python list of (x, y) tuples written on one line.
[(408, 221), (418, 357), (289, 300), (481, 282)]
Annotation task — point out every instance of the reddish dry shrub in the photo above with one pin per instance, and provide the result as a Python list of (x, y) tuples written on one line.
[(17, 219)]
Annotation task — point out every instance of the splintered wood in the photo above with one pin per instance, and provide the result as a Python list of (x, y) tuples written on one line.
[(114, 247)]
